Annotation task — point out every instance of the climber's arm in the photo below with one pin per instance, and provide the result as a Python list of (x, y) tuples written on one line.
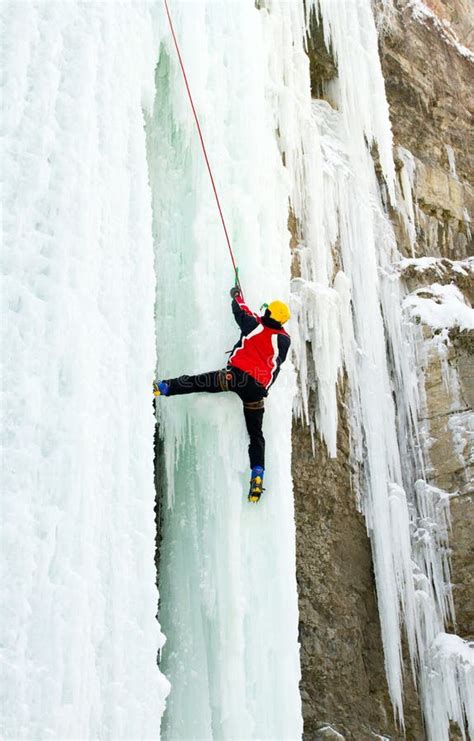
[(245, 318), (283, 344)]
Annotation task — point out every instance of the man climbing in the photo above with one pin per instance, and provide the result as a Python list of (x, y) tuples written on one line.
[(252, 368)]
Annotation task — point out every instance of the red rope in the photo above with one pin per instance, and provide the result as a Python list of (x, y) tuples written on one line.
[(203, 146)]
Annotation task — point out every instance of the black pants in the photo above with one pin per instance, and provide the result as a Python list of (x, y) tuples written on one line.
[(251, 393)]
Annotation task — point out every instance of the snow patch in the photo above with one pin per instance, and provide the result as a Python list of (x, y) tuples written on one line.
[(440, 264), (441, 307), (421, 12), (462, 430)]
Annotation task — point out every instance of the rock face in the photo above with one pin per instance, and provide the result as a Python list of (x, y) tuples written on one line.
[(431, 111), (449, 425), (459, 14), (428, 83), (343, 676), (432, 116)]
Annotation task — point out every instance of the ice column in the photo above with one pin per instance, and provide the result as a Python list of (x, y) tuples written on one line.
[(80, 636), (227, 578)]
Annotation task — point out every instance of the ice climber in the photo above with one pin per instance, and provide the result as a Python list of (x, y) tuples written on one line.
[(253, 366)]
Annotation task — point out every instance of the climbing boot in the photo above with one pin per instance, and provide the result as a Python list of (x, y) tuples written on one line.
[(256, 484), (161, 388)]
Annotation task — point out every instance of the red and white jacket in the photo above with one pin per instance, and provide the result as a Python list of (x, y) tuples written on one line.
[(263, 344)]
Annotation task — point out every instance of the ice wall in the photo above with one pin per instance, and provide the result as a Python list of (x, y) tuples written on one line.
[(79, 293), (227, 579), (80, 637)]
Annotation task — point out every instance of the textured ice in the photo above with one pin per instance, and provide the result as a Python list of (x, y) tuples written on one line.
[(317, 310), (462, 431), (351, 206), (450, 674), (80, 637), (227, 576)]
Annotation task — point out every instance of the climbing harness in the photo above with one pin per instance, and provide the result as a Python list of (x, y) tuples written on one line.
[(224, 378), (237, 281), (254, 405)]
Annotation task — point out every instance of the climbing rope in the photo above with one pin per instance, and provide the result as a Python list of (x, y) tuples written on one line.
[(237, 281)]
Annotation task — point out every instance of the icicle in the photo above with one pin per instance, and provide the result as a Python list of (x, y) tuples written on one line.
[(318, 321), (350, 31), (449, 683), (451, 161), (407, 527), (405, 201), (431, 544)]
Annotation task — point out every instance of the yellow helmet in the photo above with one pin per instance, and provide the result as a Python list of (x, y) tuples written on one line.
[(279, 311)]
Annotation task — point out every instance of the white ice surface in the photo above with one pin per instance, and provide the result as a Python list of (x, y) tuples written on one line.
[(80, 637)]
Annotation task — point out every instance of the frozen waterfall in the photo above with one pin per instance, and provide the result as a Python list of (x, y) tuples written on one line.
[(354, 319), (227, 577), (115, 269), (79, 633)]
